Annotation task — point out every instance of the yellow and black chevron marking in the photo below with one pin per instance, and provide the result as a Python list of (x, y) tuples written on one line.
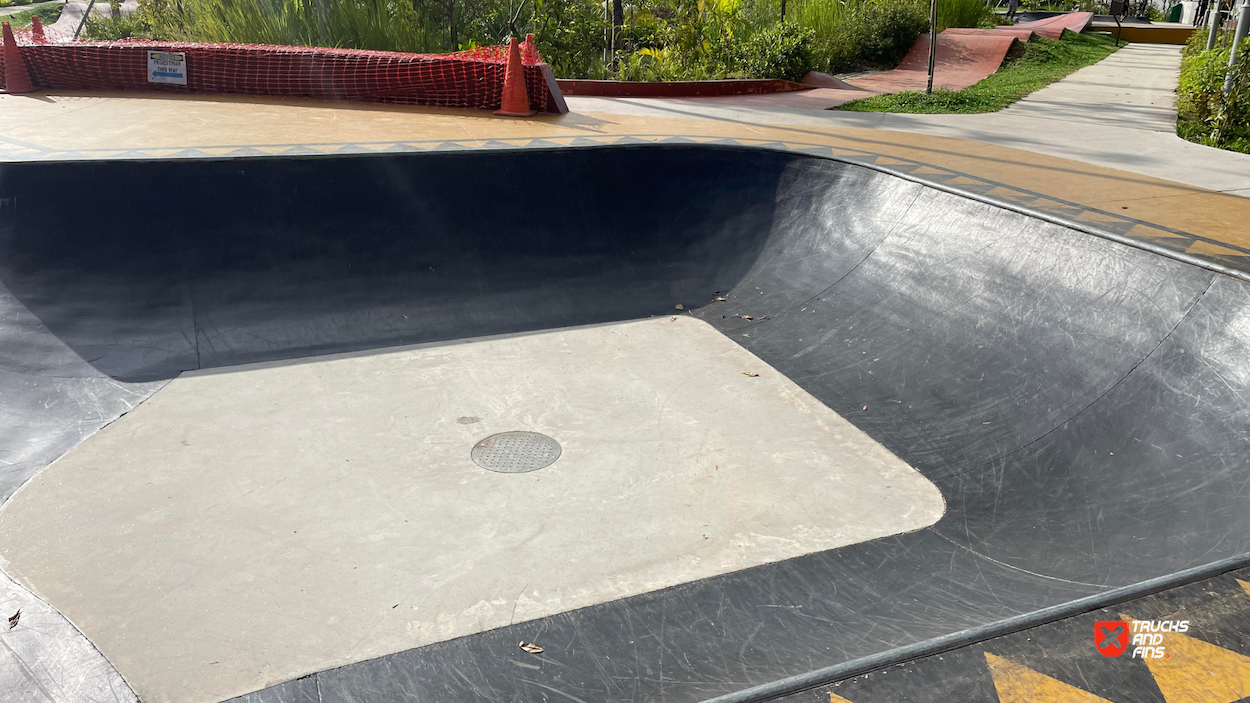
[(1058, 663), (1220, 253)]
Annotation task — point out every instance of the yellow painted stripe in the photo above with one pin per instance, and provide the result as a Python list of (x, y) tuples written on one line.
[(1020, 684), (1198, 672)]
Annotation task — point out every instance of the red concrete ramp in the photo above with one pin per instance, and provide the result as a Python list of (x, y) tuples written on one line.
[(962, 59), (824, 80), (1021, 33), (1052, 27)]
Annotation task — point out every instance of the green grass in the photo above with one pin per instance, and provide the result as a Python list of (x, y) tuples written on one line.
[(1043, 62), (47, 14)]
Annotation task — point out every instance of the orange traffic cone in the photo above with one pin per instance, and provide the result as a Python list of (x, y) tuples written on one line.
[(36, 29), (516, 101), (16, 79), (529, 51)]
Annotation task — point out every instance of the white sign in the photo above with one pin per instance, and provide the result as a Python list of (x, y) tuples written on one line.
[(167, 67)]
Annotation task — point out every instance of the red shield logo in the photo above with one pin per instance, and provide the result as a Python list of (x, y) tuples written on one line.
[(1111, 637)]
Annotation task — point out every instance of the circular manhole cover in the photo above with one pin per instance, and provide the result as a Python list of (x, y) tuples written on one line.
[(515, 452)]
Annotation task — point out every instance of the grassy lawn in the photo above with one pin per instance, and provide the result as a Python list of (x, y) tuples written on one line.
[(47, 14), (1043, 62)]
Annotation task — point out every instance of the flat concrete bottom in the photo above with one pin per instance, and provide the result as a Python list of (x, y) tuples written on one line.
[(252, 525)]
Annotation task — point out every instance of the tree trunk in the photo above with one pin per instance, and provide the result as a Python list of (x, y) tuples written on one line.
[(455, 39)]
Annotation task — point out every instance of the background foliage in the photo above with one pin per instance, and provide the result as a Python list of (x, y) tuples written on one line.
[(1207, 114), (651, 39)]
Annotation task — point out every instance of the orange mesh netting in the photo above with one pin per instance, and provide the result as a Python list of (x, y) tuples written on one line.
[(465, 79)]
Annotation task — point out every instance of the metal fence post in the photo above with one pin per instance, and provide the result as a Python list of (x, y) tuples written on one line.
[(1243, 24), (933, 40), (1213, 24)]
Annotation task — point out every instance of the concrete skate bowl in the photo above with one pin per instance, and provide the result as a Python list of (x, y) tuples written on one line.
[(1080, 404)]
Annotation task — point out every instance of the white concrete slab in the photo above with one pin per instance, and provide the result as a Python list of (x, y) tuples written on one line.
[(252, 525)]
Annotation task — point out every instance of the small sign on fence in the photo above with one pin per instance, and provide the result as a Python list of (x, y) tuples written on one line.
[(167, 67)]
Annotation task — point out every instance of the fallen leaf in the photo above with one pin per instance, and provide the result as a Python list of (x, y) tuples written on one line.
[(14, 618), (530, 647), (752, 374), (681, 307)]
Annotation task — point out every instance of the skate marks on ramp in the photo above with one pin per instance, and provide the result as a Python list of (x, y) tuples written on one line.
[(1018, 364), (52, 399), (1045, 379), (45, 659)]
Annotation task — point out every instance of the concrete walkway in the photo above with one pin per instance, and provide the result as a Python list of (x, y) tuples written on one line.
[(1119, 113), (14, 9)]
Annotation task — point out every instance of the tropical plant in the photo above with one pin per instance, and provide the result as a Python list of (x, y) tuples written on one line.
[(1206, 112)]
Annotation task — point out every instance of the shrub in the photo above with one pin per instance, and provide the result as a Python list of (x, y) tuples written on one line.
[(650, 65), (1205, 113), (873, 35), (116, 26), (359, 25), (781, 51), (569, 34)]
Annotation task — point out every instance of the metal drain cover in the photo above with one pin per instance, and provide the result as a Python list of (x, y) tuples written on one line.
[(515, 452)]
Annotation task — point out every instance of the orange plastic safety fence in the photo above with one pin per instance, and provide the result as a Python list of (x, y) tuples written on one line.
[(465, 79)]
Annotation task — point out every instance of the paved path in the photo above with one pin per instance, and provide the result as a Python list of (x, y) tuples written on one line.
[(1118, 113), (13, 10)]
